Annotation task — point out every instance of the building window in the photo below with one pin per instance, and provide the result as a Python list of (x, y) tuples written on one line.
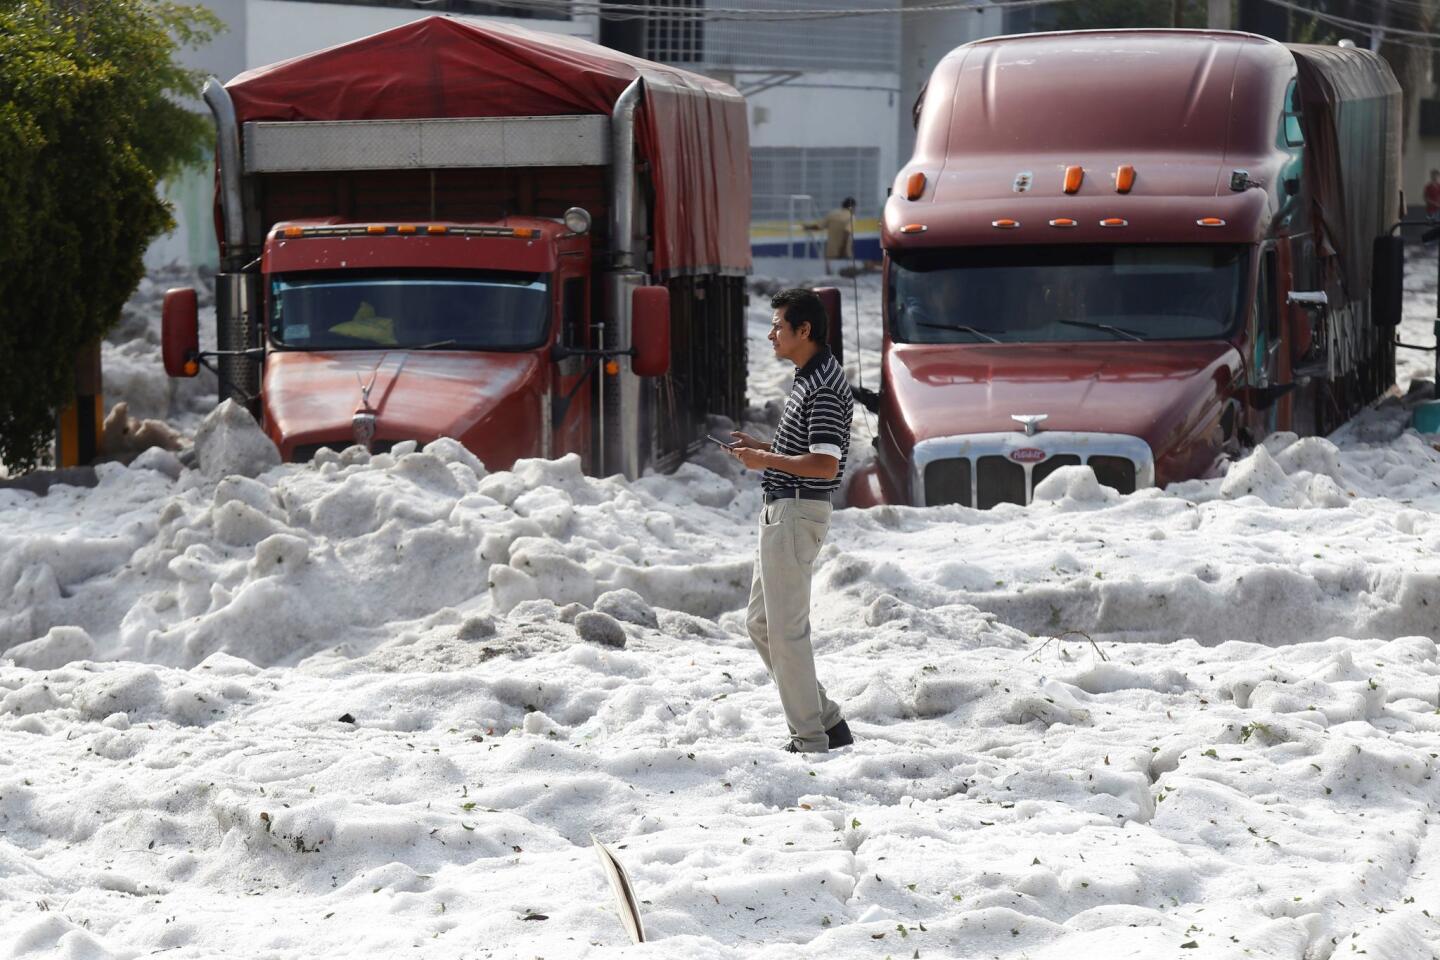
[(782, 178), (674, 33), (1430, 118), (842, 44)]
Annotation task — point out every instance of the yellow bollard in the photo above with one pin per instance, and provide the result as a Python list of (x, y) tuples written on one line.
[(78, 426)]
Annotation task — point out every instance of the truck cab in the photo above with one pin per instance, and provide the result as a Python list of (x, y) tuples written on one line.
[(1131, 250), (463, 230), (376, 333)]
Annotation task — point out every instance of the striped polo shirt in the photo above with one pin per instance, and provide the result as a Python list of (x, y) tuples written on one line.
[(816, 419)]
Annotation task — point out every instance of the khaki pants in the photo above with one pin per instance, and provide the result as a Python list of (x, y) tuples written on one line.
[(791, 532)]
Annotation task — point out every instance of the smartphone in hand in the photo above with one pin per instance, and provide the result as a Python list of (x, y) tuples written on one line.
[(727, 444)]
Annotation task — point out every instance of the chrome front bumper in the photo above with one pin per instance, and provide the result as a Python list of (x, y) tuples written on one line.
[(1045, 446)]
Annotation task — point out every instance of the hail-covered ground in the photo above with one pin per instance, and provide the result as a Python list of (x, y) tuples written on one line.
[(378, 707)]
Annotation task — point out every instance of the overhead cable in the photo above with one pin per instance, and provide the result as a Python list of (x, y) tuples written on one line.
[(637, 11), (1361, 25)]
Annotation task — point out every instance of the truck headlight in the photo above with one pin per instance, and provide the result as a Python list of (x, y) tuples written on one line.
[(577, 220)]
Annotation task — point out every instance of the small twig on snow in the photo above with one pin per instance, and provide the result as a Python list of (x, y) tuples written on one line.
[(1060, 638)]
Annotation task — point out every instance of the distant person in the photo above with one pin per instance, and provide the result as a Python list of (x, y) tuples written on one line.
[(839, 227), (803, 466), (1432, 196)]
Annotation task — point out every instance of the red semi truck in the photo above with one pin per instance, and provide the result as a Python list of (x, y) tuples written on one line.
[(526, 242), (1138, 250)]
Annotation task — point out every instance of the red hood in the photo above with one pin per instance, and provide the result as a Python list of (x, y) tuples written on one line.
[(1155, 391), (312, 398)]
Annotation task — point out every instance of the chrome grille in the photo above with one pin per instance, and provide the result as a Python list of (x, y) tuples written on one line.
[(948, 481), (305, 452), (1116, 472), (979, 469), (1042, 470), (999, 480)]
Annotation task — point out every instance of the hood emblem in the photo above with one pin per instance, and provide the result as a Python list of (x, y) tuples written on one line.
[(1030, 421), (362, 424), (362, 427), (1028, 455)]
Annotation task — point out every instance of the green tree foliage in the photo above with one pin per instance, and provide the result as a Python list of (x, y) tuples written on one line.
[(90, 120), (1120, 14)]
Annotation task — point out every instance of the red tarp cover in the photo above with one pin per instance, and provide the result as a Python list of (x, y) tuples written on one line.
[(692, 130)]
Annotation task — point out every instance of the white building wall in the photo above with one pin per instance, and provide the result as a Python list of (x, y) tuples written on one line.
[(820, 110)]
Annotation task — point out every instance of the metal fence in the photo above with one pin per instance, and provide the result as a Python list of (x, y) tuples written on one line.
[(469, 8), (866, 44), (826, 174)]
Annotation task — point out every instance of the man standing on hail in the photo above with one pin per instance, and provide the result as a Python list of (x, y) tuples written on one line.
[(803, 466)]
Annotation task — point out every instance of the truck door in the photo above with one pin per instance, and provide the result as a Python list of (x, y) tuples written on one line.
[(1266, 338), (573, 377)]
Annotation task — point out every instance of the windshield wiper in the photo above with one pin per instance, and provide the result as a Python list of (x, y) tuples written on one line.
[(1103, 326), (433, 346), (962, 327)]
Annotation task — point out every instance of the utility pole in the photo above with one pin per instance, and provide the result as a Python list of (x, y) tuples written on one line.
[(1218, 15)]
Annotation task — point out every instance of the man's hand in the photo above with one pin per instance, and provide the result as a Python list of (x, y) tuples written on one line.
[(743, 441), (752, 457)]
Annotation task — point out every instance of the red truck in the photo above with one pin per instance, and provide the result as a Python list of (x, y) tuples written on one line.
[(1138, 250), (526, 242)]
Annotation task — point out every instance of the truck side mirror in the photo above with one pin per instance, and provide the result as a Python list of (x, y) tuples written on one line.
[(830, 297), (650, 331), (180, 333), (1387, 281)]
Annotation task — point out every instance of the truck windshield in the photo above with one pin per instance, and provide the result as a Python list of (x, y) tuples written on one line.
[(1066, 293), (438, 310)]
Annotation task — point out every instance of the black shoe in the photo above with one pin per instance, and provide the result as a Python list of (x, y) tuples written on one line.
[(791, 748), (840, 735)]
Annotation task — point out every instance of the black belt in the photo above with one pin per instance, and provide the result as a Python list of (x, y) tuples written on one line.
[(797, 493)]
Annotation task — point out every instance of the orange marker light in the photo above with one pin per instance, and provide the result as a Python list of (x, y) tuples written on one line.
[(435, 228), (611, 367), (375, 228), (191, 368), (1074, 176), (1005, 223), (914, 228), (294, 231), (1124, 178), (1114, 222), (1210, 222), (406, 228), (525, 233), (1063, 222), (915, 186)]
